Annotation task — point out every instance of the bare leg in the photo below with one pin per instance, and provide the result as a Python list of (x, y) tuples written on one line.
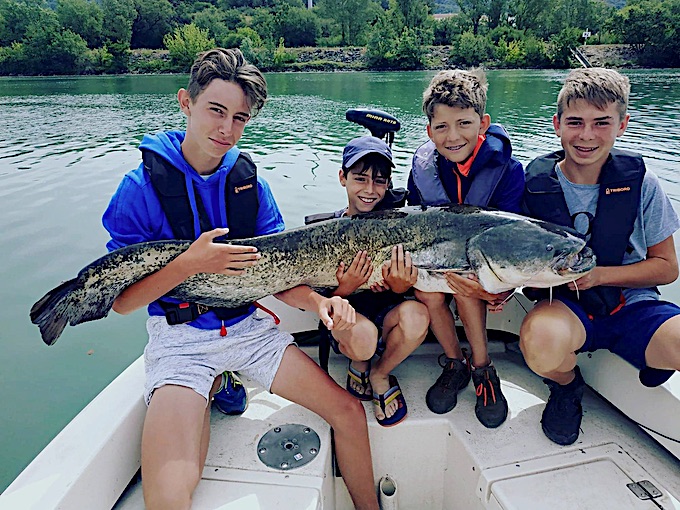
[(663, 350), (404, 329), (301, 380), (359, 345), (172, 447), (472, 313), (442, 323), (549, 337)]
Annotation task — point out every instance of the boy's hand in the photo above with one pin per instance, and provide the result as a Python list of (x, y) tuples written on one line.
[(469, 286), (353, 277), (337, 314), (205, 256), (380, 286), (586, 282), (399, 273)]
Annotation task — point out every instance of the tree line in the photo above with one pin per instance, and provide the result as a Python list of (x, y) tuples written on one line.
[(96, 36)]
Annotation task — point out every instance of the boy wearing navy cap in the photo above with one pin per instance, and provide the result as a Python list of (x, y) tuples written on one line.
[(387, 324)]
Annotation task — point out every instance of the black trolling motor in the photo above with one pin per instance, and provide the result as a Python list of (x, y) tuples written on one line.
[(380, 124)]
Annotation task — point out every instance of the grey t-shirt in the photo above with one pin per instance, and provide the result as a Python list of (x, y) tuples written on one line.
[(656, 220)]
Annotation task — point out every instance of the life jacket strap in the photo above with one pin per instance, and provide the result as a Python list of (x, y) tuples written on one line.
[(181, 313)]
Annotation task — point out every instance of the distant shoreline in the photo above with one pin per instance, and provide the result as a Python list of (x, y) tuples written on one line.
[(351, 58)]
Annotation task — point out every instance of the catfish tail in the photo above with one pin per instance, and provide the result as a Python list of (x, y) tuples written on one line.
[(49, 313)]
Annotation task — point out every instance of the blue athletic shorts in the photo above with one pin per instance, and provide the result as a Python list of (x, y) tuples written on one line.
[(628, 333)]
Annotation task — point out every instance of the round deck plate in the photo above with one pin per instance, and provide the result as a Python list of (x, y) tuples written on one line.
[(288, 446)]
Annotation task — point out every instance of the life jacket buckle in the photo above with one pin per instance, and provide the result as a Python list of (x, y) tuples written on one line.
[(181, 313)]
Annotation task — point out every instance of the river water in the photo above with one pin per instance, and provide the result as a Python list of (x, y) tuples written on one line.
[(66, 142)]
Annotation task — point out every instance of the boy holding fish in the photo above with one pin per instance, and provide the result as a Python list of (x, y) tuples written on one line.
[(197, 185), (387, 324), (468, 160), (619, 207)]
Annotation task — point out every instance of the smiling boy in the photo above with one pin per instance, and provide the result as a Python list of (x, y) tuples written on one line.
[(387, 324), (619, 207), (468, 160), (197, 185)]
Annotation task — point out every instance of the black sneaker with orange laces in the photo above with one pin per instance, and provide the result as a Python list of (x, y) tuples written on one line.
[(442, 397), (491, 408)]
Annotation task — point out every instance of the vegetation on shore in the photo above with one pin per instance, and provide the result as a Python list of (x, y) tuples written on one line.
[(116, 36)]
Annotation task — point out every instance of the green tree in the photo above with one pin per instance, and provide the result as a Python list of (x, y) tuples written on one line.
[(382, 42), (415, 13), (497, 13), (560, 46), (49, 49), (262, 22), (651, 28), (15, 17), (527, 13), (474, 10), (83, 17), (151, 24), (446, 29), (236, 38), (185, 43), (215, 21), (351, 16), (299, 26), (119, 15), (471, 50), (638, 21)]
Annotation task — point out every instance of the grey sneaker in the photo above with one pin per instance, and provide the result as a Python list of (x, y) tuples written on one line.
[(443, 395), (562, 415), (491, 408)]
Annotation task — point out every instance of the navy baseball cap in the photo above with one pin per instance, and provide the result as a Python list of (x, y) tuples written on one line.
[(357, 148)]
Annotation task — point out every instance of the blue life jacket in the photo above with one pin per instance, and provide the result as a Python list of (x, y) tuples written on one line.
[(425, 171), (242, 204), (617, 208)]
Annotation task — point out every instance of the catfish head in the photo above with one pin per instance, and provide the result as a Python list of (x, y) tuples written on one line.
[(528, 253)]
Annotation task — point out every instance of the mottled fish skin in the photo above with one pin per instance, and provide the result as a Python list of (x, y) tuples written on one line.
[(504, 250)]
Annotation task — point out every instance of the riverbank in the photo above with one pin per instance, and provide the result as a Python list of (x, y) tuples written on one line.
[(352, 58)]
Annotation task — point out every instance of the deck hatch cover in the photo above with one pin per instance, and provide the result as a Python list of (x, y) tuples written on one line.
[(288, 446), (644, 489)]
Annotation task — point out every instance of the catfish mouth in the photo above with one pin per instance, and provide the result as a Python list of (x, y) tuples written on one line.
[(569, 264)]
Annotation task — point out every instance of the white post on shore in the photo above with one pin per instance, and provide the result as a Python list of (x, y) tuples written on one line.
[(309, 4)]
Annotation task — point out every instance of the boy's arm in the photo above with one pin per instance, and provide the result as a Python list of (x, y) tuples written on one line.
[(203, 256), (335, 312), (659, 268)]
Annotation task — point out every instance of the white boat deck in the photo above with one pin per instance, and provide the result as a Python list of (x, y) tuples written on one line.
[(443, 461), (437, 461)]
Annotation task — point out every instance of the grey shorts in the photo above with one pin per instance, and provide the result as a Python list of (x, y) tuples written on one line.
[(186, 356)]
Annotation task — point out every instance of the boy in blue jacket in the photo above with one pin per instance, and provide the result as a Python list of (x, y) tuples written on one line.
[(197, 185), (468, 160)]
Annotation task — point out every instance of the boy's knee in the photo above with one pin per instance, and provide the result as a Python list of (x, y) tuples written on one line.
[(414, 318), (360, 342), (349, 413), (543, 351)]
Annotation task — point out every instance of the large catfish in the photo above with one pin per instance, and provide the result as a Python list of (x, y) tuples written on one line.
[(504, 250)]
